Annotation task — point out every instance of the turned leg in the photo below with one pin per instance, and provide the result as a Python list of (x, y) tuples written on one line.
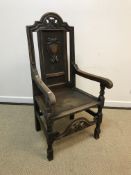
[(99, 113), (72, 116), (50, 140), (98, 123), (37, 123)]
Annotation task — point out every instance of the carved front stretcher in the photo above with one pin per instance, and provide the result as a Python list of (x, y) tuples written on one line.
[(54, 92)]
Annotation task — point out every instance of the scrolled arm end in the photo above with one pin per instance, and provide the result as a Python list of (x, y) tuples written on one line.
[(103, 81), (108, 83)]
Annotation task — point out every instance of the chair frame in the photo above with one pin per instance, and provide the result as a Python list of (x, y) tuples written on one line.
[(41, 88)]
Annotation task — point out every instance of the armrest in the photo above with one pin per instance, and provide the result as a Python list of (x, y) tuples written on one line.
[(42, 86), (104, 81)]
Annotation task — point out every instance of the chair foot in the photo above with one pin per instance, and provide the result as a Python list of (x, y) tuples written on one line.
[(72, 116), (97, 133), (50, 154)]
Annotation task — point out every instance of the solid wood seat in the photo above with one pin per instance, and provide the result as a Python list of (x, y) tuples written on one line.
[(54, 92), (69, 101)]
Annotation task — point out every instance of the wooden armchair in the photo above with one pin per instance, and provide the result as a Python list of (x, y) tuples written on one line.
[(55, 94)]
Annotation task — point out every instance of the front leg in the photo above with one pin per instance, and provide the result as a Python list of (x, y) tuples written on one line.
[(50, 139), (99, 114), (98, 123), (50, 150)]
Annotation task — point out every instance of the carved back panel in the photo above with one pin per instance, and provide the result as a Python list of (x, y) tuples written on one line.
[(53, 56), (52, 44)]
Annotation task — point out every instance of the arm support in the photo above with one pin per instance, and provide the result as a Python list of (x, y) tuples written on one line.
[(42, 86), (104, 81)]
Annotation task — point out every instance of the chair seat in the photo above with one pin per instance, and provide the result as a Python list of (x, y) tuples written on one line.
[(70, 100)]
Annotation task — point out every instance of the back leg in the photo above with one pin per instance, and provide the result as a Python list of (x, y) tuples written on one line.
[(36, 110), (72, 116)]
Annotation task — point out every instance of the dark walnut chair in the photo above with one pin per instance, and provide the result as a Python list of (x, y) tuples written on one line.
[(54, 91)]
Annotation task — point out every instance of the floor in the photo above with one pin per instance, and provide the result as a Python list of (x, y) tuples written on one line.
[(23, 150)]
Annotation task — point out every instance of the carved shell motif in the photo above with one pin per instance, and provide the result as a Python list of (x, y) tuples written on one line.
[(53, 47)]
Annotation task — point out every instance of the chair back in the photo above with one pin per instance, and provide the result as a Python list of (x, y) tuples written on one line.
[(55, 62)]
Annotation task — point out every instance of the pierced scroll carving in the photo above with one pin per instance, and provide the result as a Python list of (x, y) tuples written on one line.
[(51, 20), (53, 47), (76, 125)]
